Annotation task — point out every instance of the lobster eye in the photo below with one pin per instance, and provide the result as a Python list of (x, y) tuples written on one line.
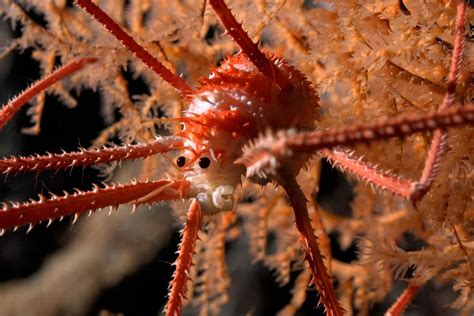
[(204, 162), (181, 161)]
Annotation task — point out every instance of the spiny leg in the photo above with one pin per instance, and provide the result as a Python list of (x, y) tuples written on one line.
[(403, 300), (368, 173), (15, 105), (263, 155), (87, 157), (321, 278), (139, 51), (438, 142), (14, 214), (249, 48), (183, 262)]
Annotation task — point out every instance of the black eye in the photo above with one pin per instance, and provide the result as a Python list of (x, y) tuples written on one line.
[(204, 162), (180, 161)]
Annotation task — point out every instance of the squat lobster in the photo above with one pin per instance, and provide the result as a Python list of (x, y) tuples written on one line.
[(248, 95)]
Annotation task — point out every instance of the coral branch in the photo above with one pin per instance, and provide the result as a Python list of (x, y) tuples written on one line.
[(15, 214), (403, 300), (184, 261), (321, 278), (15, 105), (249, 48), (298, 294), (139, 51), (262, 155), (89, 157)]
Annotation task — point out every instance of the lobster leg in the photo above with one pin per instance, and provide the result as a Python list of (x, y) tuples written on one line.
[(438, 143), (403, 300), (138, 50), (14, 214), (89, 157), (249, 48), (321, 278), (276, 147), (266, 155), (184, 261), (15, 105)]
